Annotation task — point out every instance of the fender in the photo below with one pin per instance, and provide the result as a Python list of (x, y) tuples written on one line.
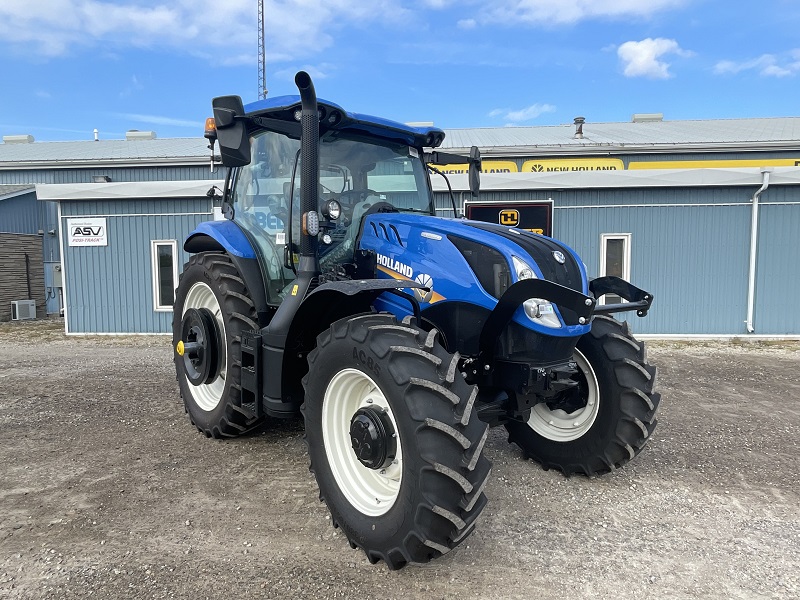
[(226, 236), (226, 233), (284, 353)]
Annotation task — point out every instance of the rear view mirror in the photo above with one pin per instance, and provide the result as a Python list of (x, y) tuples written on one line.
[(234, 144), (474, 171)]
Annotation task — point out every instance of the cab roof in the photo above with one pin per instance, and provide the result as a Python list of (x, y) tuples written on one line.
[(334, 117)]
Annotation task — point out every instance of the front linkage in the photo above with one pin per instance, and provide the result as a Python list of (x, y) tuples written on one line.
[(511, 388)]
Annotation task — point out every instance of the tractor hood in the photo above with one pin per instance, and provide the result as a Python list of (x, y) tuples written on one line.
[(470, 262)]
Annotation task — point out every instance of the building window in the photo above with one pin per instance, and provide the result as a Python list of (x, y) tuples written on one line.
[(615, 259), (165, 273)]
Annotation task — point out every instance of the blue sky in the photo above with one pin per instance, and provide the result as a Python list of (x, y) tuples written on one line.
[(70, 66)]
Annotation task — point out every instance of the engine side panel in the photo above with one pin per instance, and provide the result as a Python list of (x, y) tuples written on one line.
[(420, 248)]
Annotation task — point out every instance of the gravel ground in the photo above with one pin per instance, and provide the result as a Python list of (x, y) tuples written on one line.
[(106, 491)]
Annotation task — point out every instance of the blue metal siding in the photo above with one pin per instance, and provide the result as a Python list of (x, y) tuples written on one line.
[(694, 259), (109, 288), (778, 268), (21, 214), (75, 175), (144, 206), (690, 247)]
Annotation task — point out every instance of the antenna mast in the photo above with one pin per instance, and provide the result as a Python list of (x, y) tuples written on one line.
[(262, 61)]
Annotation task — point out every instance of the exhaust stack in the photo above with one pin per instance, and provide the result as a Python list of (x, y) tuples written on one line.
[(309, 173)]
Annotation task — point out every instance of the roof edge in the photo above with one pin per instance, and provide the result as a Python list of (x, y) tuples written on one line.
[(595, 149), (108, 163)]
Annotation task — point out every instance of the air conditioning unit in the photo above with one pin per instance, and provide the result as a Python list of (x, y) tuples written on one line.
[(23, 309)]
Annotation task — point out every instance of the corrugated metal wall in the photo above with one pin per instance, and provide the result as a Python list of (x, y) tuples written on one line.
[(109, 288), (778, 281), (690, 247), (143, 206), (21, 214), (73, 175)]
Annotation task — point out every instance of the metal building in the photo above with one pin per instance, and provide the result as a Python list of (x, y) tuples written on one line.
[(147, 194), (705, 214)]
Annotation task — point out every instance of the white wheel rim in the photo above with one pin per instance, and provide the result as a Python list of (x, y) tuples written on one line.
[(208, 395), (371, 492), (560, 426)]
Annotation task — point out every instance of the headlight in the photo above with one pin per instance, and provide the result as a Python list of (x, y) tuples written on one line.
[(332, 210), (537, 310)]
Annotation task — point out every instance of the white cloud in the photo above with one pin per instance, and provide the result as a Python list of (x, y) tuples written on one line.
[(525, 114), (225, 31), (768, 65), (467, 24), (160, 120), (550, 12), (642, 59), (321, 71)]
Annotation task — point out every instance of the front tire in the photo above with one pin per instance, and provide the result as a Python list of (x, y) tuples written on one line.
[(210, 284), (395, 444), (618, 413)]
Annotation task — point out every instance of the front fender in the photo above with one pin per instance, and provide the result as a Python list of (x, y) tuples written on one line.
[(227, 235)]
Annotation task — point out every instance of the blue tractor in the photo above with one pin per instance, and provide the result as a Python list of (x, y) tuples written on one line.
[(333, 290)]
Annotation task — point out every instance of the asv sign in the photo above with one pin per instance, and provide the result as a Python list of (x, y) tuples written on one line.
[(87, 231)]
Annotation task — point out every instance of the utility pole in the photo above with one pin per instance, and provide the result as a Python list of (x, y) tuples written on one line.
[(262, 61)]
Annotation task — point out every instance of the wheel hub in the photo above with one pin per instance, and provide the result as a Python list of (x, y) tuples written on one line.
[(200, 346), (373, 438)]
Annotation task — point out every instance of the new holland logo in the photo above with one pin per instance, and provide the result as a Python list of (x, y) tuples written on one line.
[(395, 265), (427, 281), (509, 217)]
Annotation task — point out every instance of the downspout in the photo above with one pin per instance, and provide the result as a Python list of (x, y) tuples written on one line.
[(751, 280)]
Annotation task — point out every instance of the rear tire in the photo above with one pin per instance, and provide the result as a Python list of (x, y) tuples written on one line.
[(423, 498), (211, 282), (619, 413)]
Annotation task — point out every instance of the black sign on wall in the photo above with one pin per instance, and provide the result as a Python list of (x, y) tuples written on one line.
[(531, 216)]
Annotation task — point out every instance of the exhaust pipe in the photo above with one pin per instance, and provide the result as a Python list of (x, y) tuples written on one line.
[(308, 266), (309, 173)]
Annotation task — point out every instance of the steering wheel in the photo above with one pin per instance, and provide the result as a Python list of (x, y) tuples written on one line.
[(380, 206), (350, 198)]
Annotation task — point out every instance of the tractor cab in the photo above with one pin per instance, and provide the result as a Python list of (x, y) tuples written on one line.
[(359, 174)]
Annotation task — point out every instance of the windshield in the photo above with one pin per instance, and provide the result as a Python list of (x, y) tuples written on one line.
[(361, 173), (394, 172)]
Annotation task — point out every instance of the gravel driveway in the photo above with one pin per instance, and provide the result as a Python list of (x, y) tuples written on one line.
[(106, 491)]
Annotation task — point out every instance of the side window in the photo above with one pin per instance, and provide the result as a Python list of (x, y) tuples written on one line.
[(261, 204), (163, 256), (615, 259)]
